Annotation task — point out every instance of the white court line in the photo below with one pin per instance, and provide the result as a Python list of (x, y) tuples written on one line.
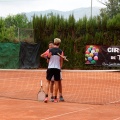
[(117, 118), (66, 113)]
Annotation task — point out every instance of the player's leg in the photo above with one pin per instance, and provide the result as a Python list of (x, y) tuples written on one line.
[(48, 77), (56, 91), (61, 75), (47, 90), (51, 89), (60, 91), (57, 79)]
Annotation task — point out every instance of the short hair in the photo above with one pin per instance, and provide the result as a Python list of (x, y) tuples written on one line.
[(51, 42), (57, 41)]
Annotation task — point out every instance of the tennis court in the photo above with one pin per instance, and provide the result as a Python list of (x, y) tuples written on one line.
[(89, 95)]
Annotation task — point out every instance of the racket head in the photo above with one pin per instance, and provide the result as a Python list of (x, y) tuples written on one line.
[(41, 96), (41, 93)]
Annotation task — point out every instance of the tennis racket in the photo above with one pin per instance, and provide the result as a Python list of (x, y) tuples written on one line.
[(64, 57), (41, 93)]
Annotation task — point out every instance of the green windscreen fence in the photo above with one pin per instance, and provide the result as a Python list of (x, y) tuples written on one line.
[(9, 55)]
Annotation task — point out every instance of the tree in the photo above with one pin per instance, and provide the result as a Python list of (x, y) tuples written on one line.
[(19, 20), (6, 34), (104, 2), (112, 7), (9, 26)]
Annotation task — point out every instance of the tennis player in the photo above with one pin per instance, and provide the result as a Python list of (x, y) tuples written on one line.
[(45, 55), (54, 68)]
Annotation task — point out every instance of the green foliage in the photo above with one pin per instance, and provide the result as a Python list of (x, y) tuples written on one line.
[(7, 34), (114, 23), (9, 26), (75, 35), (19, 20), (112, 8)]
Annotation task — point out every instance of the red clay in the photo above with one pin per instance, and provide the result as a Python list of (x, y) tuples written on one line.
[(79, 88)]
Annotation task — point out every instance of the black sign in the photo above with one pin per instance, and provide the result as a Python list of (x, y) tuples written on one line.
[(103, 55)]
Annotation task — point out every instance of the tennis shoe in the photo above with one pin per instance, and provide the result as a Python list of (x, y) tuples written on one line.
[(55, 100), (46, 100), (61, 99), (52, 99)]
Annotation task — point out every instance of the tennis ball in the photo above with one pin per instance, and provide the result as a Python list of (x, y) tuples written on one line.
[(96, 54), (95, 57), (87, 55), (91, 46), (91, 54), (97, 50), (87, 52), (93, 62), (92, 51), (89, 49), (87, 62), (94, 48), (89, 58)]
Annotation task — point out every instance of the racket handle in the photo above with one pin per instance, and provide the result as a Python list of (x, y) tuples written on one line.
[(63, 57), (41, 83)]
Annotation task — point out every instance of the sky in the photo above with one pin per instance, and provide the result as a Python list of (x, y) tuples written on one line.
[(12, 7)]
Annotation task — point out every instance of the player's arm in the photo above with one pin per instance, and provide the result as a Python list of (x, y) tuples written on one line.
[(49, 55), (44, 55)]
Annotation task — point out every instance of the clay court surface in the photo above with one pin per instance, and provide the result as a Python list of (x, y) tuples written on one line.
[(88, 96)]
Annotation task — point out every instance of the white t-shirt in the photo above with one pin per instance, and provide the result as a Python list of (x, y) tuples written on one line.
[(54, 61)]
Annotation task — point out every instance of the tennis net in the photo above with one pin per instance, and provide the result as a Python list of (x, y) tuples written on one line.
[(79, 86)]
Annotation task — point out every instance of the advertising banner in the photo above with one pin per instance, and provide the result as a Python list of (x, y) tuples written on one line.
[(102, 55)]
